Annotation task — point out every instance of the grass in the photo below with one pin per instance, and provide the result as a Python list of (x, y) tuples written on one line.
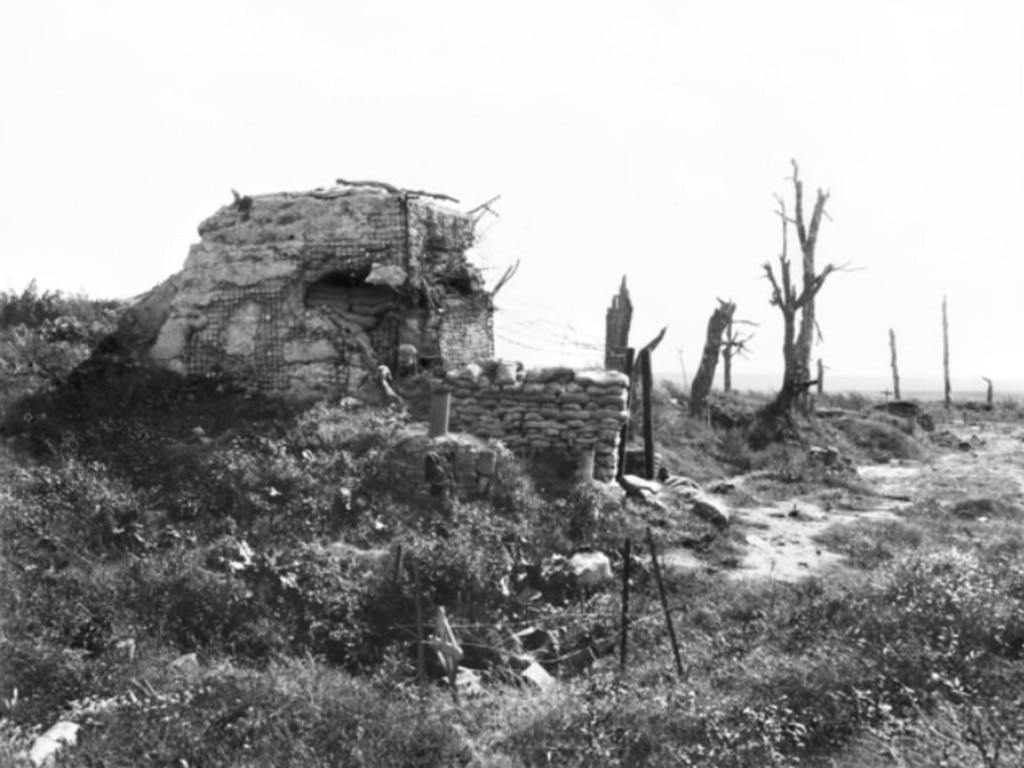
[(129, 538)]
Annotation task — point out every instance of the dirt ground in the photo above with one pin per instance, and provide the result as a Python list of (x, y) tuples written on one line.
[(781, 540)]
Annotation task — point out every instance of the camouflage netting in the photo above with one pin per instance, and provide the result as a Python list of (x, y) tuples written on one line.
[(309, 292)]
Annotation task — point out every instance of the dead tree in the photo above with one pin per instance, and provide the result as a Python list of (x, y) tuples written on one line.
[(735, 345), (808, 238), (796, 349), (717, 324), (895, 367), (617, 322), (988, 392), (945, 356), (821, 376)]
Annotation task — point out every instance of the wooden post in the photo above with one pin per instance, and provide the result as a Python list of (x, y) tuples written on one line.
[(945, 355), (421, 656), (585, 471), (398, 566), (624, 436), (440, 412), (617, 321), (664, 604), (648, 416), (895, 367), (821, 377), (623, 632)]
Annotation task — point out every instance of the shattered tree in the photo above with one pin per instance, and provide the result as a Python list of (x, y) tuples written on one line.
[(796, 347), (617, 322), (717, 325), (735, 345)]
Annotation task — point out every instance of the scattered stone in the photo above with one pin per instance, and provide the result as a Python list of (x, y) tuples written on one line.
[(540, 643), (187, 662), (45, 747), (539, 676), (722, 487), (125, 648), (591, 568), (712, 510), (467, 682), (639, 486)]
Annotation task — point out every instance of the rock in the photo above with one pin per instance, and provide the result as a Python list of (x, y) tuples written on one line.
[(591, 568), (467, 682), (722, 486), (540, 643), (712, 510), (826, 457), (639, 486), (679, 483), (187, 662), (45, 747), (539, 676)]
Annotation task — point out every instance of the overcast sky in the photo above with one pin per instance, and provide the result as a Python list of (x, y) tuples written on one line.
[(645, 139)]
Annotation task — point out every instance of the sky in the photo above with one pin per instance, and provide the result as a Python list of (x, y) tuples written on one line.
[(645, 140)]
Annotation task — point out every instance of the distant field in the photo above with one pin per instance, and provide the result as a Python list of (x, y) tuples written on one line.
[(912, 387)]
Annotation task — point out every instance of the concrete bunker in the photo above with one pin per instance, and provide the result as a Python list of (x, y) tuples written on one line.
[(308, 293)]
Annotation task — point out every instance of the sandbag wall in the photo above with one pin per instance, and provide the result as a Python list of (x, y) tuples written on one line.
[(542, 410)]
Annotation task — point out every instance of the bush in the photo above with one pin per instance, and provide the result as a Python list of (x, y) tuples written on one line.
[(881, 439)]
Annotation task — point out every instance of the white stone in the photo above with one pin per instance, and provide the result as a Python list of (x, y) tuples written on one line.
[(46, 746), (591, 568)]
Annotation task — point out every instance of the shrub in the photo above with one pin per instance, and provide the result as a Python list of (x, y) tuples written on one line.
[(869, 544), (881, 439)]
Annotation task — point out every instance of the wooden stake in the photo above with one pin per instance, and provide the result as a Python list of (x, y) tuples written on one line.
[(648, 415), (945, 354), (398, 566), (421, 657), (895, 367), (626, 554), (664, 604), (624, 435)]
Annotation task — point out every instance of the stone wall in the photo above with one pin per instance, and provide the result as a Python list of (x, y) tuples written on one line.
[(546, 410)]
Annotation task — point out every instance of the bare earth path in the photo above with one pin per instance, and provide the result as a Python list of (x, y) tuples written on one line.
[(780, 539)]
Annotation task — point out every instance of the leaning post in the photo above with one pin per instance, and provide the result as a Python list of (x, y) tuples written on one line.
[(648, 424)]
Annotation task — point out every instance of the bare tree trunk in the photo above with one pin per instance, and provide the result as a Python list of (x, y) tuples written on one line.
[(945, 355), (895, 367), (617, 322), (727, 351), (776, 417), (988, 393), (821, 377), (717, 324), (808, 237)]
